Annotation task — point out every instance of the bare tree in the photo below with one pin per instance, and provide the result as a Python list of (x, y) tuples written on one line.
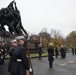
[(55, 33)]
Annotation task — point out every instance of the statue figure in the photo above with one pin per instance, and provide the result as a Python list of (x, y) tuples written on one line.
[(10, 16)]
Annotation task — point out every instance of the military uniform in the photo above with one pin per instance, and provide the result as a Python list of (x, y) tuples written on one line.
[(11, 63), (21, 64), (2, 54)]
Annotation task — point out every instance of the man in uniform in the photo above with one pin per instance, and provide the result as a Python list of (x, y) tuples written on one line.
[(21, 64), (1, 54), (11, 53)]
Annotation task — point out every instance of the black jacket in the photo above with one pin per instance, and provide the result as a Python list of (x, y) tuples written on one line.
[(20, 67), (11, 61), (50, 53)]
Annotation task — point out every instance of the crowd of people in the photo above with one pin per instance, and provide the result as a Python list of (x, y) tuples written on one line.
[(73, 51), (53, 53), (18, 62)]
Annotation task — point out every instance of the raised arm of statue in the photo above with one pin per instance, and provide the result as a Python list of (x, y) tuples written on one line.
[(16, 6), (10, 6)]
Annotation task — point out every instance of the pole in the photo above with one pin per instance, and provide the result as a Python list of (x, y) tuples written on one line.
[(29, 61)]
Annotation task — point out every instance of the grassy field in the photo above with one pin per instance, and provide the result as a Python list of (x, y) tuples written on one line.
[(36, 54), (32, 55)]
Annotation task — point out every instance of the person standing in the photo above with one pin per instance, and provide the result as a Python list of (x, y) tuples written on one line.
[(72, 50), (56, 51), (21, 64), (62, 51), (40, 51), (75, 50), (50, 55), (65, 50), (11, 53)]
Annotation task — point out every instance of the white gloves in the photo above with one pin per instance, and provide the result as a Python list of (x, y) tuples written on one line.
[(53, 56), (30, 70)]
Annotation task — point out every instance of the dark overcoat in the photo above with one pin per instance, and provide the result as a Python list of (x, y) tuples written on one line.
[(11, 61), (40, 50), (62, 52), (56, 51), (50, 53), (21, 67)]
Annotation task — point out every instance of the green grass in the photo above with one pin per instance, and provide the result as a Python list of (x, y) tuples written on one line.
[(7, 56), (36, 54), (32, 55)]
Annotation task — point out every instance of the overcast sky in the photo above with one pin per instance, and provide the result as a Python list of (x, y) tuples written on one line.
[(50, 14)]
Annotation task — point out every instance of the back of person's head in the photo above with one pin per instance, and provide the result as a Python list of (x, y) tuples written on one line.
[(14, 42), (50, 44), (61, 46)]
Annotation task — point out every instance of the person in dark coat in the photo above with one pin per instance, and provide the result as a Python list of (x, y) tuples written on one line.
[(50, 55), (40, 51), (1, 55), (56, 51), (72, 50), (75, 50), (62, 51), (21, 64), (11, 53), (3, 48), (65, 50)]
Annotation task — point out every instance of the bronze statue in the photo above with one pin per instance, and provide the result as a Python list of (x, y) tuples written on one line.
[(10, 16)]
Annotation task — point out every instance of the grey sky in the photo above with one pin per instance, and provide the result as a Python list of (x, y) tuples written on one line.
[(50, 14)]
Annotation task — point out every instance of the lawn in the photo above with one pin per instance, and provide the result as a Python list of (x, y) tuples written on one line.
[(32, 55)]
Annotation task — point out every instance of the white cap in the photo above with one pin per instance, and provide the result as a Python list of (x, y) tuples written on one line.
[(19, 37), (13, 41)]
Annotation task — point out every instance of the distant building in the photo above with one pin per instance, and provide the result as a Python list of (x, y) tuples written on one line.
[(35, 37)]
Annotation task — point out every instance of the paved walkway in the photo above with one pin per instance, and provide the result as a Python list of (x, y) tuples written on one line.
[(41, 67)]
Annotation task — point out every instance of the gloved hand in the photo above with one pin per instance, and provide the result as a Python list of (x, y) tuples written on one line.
[(53, 56), (30, 70)]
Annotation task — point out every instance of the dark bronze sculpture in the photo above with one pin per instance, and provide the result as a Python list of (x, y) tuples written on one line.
[(10, 16)]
